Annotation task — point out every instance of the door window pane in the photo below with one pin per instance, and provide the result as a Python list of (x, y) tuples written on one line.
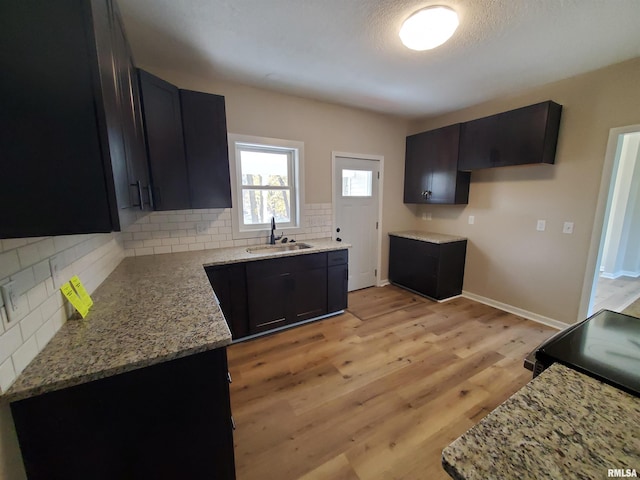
[(356, 183)]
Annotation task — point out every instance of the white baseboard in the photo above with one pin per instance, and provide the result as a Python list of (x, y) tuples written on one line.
[(622, 273), (550, 322), (383, 283)]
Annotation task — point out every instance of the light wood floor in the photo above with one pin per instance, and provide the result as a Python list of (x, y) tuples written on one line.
[(616, 294), (375, 393)]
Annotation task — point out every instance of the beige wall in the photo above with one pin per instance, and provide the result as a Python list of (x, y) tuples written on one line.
[(508, 261), (323, 127)]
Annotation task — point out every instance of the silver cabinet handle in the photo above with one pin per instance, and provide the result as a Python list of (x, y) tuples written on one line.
[(150, 190), (138, 185)]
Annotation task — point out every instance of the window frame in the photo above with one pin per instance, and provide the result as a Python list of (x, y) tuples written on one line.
[(295, 150)]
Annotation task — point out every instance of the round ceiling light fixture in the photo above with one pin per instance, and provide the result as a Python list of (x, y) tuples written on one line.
[(429, 28)]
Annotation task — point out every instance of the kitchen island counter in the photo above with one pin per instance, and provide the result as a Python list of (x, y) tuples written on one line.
[(563, 424), (149, 310)]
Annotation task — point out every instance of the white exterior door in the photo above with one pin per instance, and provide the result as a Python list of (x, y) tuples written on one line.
[(355, 192)]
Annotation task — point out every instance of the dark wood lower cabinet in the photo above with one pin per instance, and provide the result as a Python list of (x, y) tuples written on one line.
[(337, 280), (262, 295), (435, 270), (167, 421), (286, 290), (230, 286)]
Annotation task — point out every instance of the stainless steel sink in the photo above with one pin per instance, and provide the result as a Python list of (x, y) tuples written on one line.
[(285, 247)]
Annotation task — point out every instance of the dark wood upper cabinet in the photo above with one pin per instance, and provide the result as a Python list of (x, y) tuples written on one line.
[(526, 135), (67, 161), (186, 134), (165, 143), (205, 142), (431, 172)]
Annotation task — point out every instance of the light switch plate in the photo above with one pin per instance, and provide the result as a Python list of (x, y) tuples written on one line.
[(541, 226), (15, 305), (54, 264), (568, 227)]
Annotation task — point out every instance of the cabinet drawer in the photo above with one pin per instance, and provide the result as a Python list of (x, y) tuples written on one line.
[(339, 257)]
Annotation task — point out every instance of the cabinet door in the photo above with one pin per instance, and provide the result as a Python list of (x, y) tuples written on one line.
[(414, 265), (267, 298), (310, 295), (165, 144), (270, 287), (431, 168), (337, 287), (451, 269), (479, 143), (130, 123), (230, 287), (448, 185), (50, 146), (205, 140), (417, 175), (131, 117)]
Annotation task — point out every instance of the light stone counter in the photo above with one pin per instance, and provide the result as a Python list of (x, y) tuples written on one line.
[(149, 310), (562, 424), (429, 237)]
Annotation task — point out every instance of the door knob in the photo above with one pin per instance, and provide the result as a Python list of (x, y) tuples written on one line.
[(338, 239), (338, 229)]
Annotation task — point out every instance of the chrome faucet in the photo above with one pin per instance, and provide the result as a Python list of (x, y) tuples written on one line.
[(273, 238)]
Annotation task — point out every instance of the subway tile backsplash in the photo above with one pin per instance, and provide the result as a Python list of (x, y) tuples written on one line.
[(185, 230)]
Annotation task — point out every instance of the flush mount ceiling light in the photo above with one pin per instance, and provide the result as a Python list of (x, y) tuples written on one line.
[(429, 28)]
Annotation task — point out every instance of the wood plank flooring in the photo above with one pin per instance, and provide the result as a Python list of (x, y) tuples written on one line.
[(375, 393), (616, 294)]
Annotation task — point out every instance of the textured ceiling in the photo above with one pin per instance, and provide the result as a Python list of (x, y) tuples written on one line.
[(349, 52)]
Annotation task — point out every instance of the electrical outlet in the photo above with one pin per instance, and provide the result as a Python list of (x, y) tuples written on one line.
[(568, 227), (202, 228), (16, 305), (541, 226), (472, 219), (54, 265), (429, 216)]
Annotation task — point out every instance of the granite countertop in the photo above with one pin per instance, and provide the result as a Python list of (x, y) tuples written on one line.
[(150, 309), (562, 424), (429, 237)]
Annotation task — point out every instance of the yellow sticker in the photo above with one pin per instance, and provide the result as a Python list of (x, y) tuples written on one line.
[(74, 299), (80, 290)]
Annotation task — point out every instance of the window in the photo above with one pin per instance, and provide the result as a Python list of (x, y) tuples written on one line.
[(356, 183), (267, 173)]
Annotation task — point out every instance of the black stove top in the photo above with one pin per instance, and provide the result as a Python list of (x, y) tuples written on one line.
[(605, 346)]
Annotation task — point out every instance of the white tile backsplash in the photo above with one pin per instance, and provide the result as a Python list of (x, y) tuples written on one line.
[(26, 262), (185, 230), (30, 323), (7, 374), (10, 341), (24, 354)]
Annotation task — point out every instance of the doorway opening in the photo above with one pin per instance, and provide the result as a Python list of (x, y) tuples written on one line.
[(615, 248), (357, 198)]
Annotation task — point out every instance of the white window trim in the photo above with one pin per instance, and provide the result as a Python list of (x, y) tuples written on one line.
[(236, 225)]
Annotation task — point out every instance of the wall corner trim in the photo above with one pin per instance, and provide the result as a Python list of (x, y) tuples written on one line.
[(550, 322)]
